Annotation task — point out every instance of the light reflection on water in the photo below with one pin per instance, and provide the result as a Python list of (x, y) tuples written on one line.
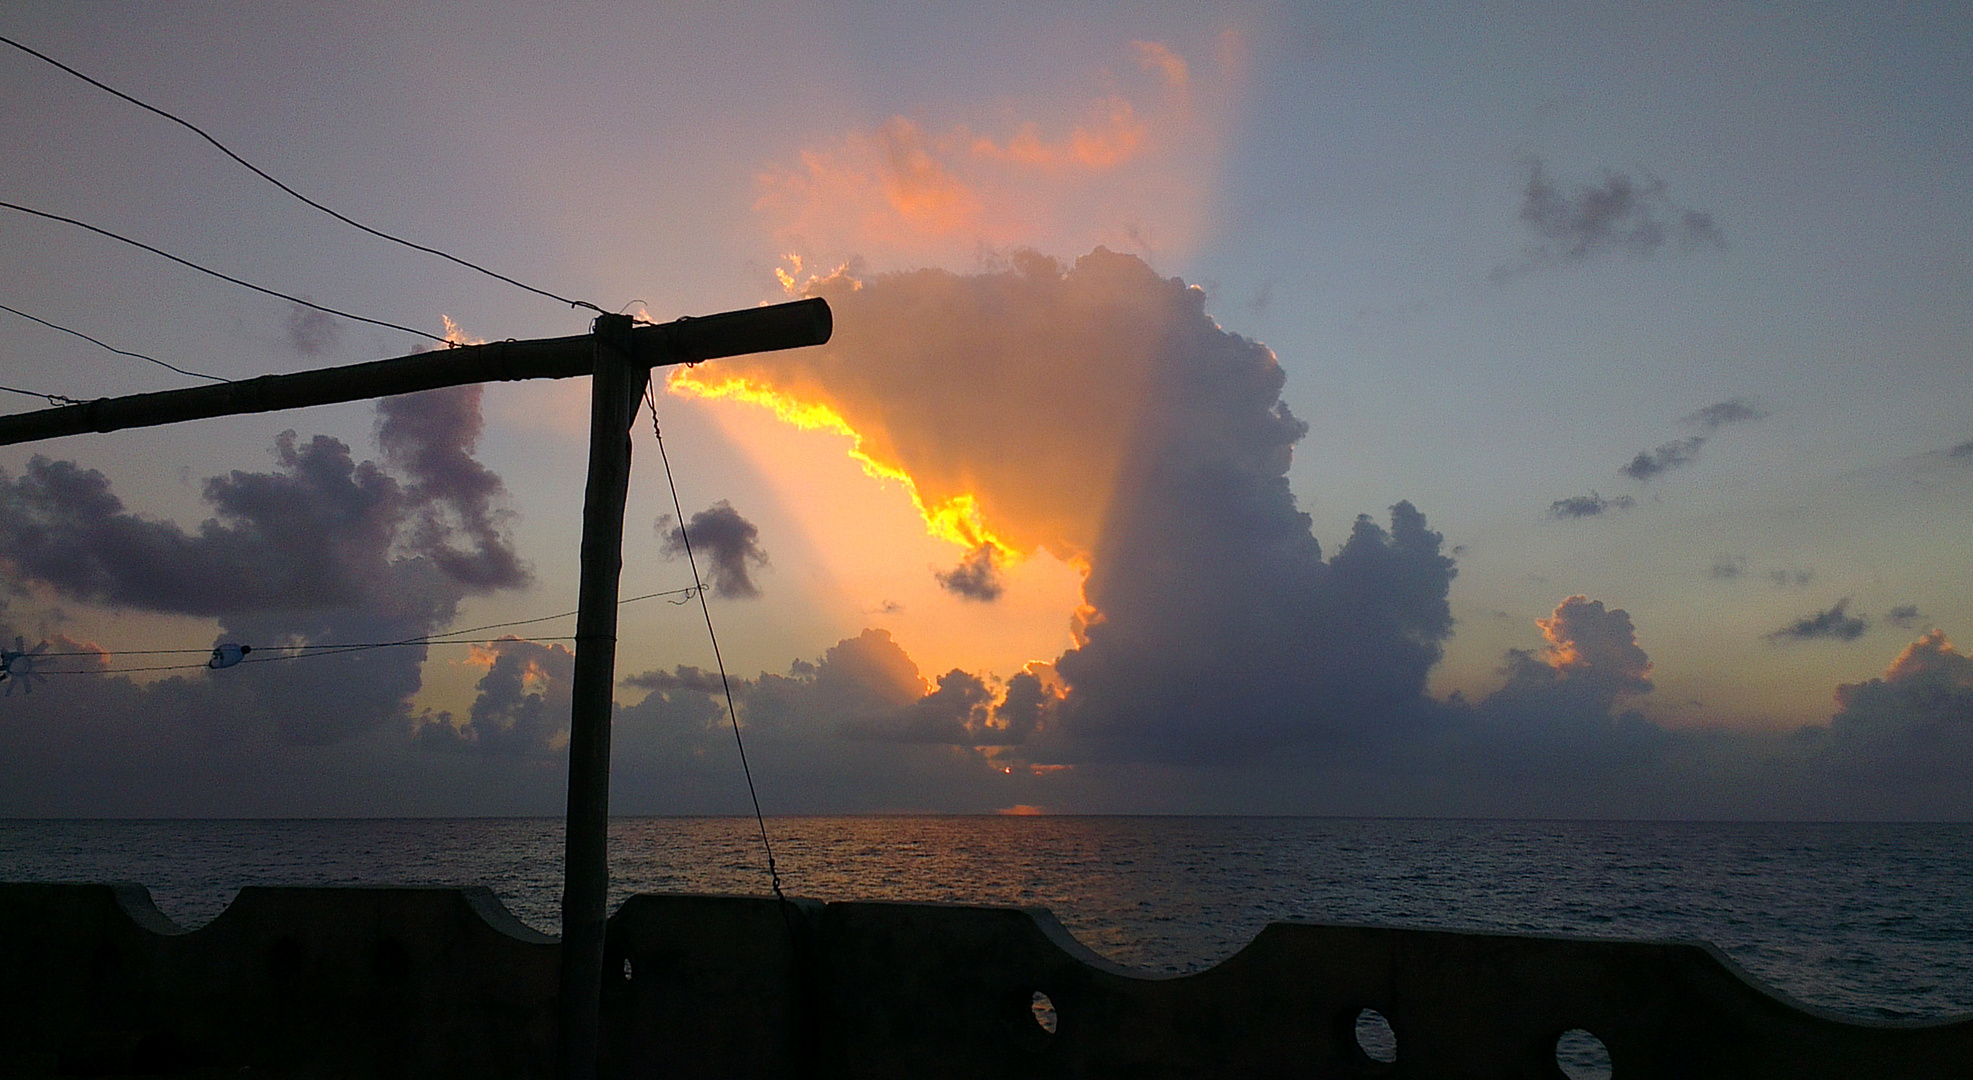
[(1870, 919)]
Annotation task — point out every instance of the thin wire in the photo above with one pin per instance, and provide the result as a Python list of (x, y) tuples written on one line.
[(330, 650), (301, 652), (257, 171), (112, 348), (52, 399), (217, 274), (732, 713)]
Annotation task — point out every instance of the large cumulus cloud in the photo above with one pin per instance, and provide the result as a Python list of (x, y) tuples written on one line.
[(1097, 410)]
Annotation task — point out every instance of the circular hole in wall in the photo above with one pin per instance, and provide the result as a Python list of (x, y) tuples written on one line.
[(1044, 1012), (1375, 1037), (1582, 1056)]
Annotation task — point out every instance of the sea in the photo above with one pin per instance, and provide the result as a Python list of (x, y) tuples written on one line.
[(1872, 921)]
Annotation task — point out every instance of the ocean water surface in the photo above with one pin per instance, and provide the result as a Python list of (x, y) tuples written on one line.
[(1871, 920)]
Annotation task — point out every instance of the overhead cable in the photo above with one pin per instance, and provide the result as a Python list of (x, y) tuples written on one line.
[(304, 652), (257, 171), (112, 348), (220, 276)]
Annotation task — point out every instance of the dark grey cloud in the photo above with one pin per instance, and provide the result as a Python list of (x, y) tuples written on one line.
[(321, 531), (977, 577), (1737, 410), (1621, 214), (1834, 623), (521, 706), (1728, 568), (1560, 713), (1590, 505), (1668, 456), (949, 715), (312, 332), (323, 549), (1681, 452), (1962, 451), (728, 544), (431, 437), (1904, 616)]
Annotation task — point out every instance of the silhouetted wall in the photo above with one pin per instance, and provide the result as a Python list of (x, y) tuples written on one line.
[(445, 983)]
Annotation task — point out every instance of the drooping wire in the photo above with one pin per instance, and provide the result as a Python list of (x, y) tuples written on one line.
[(705, 608), (217, 274), (52, 399), (257, 171), (306, 652), (112, 348)]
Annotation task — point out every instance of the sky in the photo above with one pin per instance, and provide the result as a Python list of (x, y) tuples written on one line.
[(1531, 410)]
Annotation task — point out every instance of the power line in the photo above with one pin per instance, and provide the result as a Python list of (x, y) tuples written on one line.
[(257, 171), (303, 652), (112, 348), (217, 274)]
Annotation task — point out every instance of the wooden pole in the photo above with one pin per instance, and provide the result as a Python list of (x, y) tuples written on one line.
[(615, 386)]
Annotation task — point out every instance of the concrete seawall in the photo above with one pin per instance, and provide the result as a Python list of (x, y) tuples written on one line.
[(383, 982)]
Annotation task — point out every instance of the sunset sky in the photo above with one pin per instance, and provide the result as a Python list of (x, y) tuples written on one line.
[(1389, 409)]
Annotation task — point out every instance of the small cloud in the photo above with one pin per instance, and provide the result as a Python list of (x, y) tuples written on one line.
[(1904, 616), (1835, 623), (1589, 220), (1590, 505), (1791, 578), (312, 332), (1264, 297), (1671, 455), (729, 542), (1962, 452), (1681, 452), (977, 577), (1728, 567), (1731, 411)]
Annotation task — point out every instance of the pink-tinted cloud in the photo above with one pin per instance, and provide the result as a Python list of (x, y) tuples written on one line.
[(1131, 161), (1585, 641)]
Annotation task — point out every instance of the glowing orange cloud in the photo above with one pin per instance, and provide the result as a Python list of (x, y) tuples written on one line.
[(458, 336), (957, 519), (1583, 637)]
